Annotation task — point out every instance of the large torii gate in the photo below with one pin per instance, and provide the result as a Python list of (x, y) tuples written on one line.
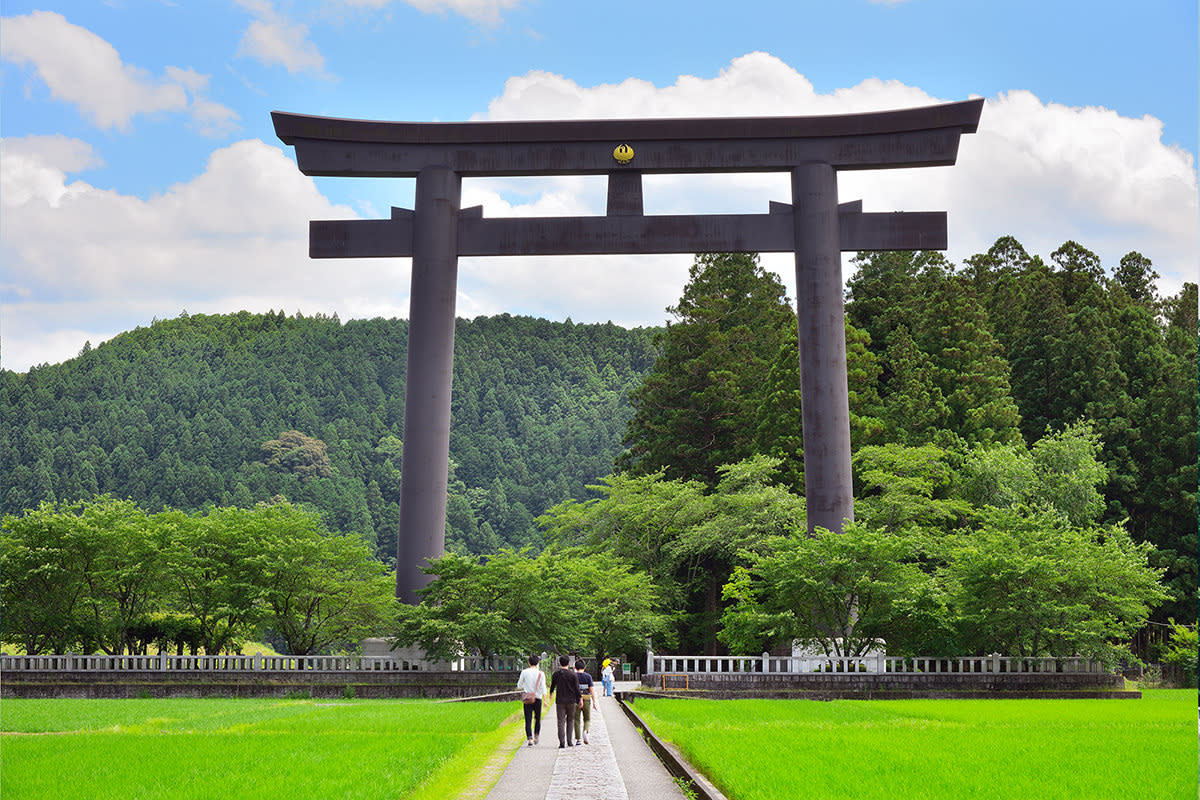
[(437, 231)]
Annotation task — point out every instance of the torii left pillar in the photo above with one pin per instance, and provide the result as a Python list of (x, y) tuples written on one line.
[(425, 463)]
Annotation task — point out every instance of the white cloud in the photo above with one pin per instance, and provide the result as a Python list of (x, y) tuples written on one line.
[(1048, 173), (1042, 172), (273, 39), (82, 259), (80, 68), (487, 12), (37, 166)]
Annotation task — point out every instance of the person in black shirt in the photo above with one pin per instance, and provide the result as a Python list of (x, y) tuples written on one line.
[(564, 688), (587, 691)]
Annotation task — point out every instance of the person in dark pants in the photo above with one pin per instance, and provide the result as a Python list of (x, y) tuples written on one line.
[(564, 689), (587, 690), (532, 685)]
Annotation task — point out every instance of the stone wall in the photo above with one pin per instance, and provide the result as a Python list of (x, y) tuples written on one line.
[(262, 683), (865, 686)]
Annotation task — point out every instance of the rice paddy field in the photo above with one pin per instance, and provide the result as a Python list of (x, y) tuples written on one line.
[(958, 749), (212, 748)]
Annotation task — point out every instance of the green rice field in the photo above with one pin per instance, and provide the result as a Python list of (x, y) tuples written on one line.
[(211, 748), (957, 749)]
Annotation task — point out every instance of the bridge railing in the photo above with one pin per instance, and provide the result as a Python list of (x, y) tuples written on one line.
[(807, 665), (240, 663)]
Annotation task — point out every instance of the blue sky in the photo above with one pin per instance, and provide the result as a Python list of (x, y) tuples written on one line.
[(140, 176)]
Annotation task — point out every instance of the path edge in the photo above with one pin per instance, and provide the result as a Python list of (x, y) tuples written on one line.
[(672, 759)]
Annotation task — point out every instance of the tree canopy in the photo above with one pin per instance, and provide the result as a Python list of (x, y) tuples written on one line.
[(106, 575), (510, 602)]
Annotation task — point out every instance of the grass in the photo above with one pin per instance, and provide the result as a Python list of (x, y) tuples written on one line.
[(961, 749), (204, 748)]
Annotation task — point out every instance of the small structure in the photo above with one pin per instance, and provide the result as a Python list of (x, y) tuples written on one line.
[(405, 658)]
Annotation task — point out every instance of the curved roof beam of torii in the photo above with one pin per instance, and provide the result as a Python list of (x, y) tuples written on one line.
[(914, 137)]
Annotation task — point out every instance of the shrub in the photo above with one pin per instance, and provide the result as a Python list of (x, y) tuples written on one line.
[(1182, 653)]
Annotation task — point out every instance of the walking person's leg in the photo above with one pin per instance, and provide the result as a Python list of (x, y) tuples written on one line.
[(529, 721), (578, 724), (563, 716), (586, 713), (537, 720)]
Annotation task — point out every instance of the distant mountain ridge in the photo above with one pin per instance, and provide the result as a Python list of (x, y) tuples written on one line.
[(175, 414)]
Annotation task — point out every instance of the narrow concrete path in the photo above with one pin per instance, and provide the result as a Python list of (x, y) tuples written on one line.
[(616, 764)]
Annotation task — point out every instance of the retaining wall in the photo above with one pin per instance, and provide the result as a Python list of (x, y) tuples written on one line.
[(259, 683), (866, 686)]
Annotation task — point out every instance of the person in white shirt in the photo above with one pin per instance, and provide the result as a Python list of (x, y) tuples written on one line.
[(606, 677), (532, 685)]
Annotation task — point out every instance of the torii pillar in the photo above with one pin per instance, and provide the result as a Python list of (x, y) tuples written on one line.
[(425, 463), (824, 390), (815, 226)]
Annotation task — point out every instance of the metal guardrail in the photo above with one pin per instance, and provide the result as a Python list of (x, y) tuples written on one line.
[(791, 665)]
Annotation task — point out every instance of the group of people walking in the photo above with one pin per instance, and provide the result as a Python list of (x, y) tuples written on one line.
[(573, 692)]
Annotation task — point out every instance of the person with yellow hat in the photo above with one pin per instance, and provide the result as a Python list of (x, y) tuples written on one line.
[(606, 677)]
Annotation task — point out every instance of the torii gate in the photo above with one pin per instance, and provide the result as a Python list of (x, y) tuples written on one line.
[(815, 226)]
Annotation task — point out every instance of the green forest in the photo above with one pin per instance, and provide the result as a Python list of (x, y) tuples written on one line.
[(1008, 381), (194, 411)]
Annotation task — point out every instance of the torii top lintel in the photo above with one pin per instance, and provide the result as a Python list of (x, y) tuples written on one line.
[(915, 137), (624, 150)]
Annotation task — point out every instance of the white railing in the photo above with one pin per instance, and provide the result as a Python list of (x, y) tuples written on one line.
[(792, 665), (489, 664), (233, 663)]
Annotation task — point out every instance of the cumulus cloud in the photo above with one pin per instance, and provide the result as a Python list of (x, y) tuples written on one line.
[(37, 166), (86, 260), (80, 258), (1042, 172), (274, 39), (80, 68), (1049, 173)]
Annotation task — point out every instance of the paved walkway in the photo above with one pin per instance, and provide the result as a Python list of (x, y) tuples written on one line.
[(617, 764)]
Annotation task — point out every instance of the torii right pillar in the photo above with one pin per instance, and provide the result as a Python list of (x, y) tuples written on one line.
[(824, 395)]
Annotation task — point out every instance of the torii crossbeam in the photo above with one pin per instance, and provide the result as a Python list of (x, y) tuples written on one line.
[(437, 231)]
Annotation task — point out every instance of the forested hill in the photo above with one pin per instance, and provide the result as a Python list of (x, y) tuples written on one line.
[(177, 414), (235, 409)]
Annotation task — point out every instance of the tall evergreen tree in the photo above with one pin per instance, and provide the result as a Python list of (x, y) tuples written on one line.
[(970, 369), (914, 407), (696, 409), (1037, 356)]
